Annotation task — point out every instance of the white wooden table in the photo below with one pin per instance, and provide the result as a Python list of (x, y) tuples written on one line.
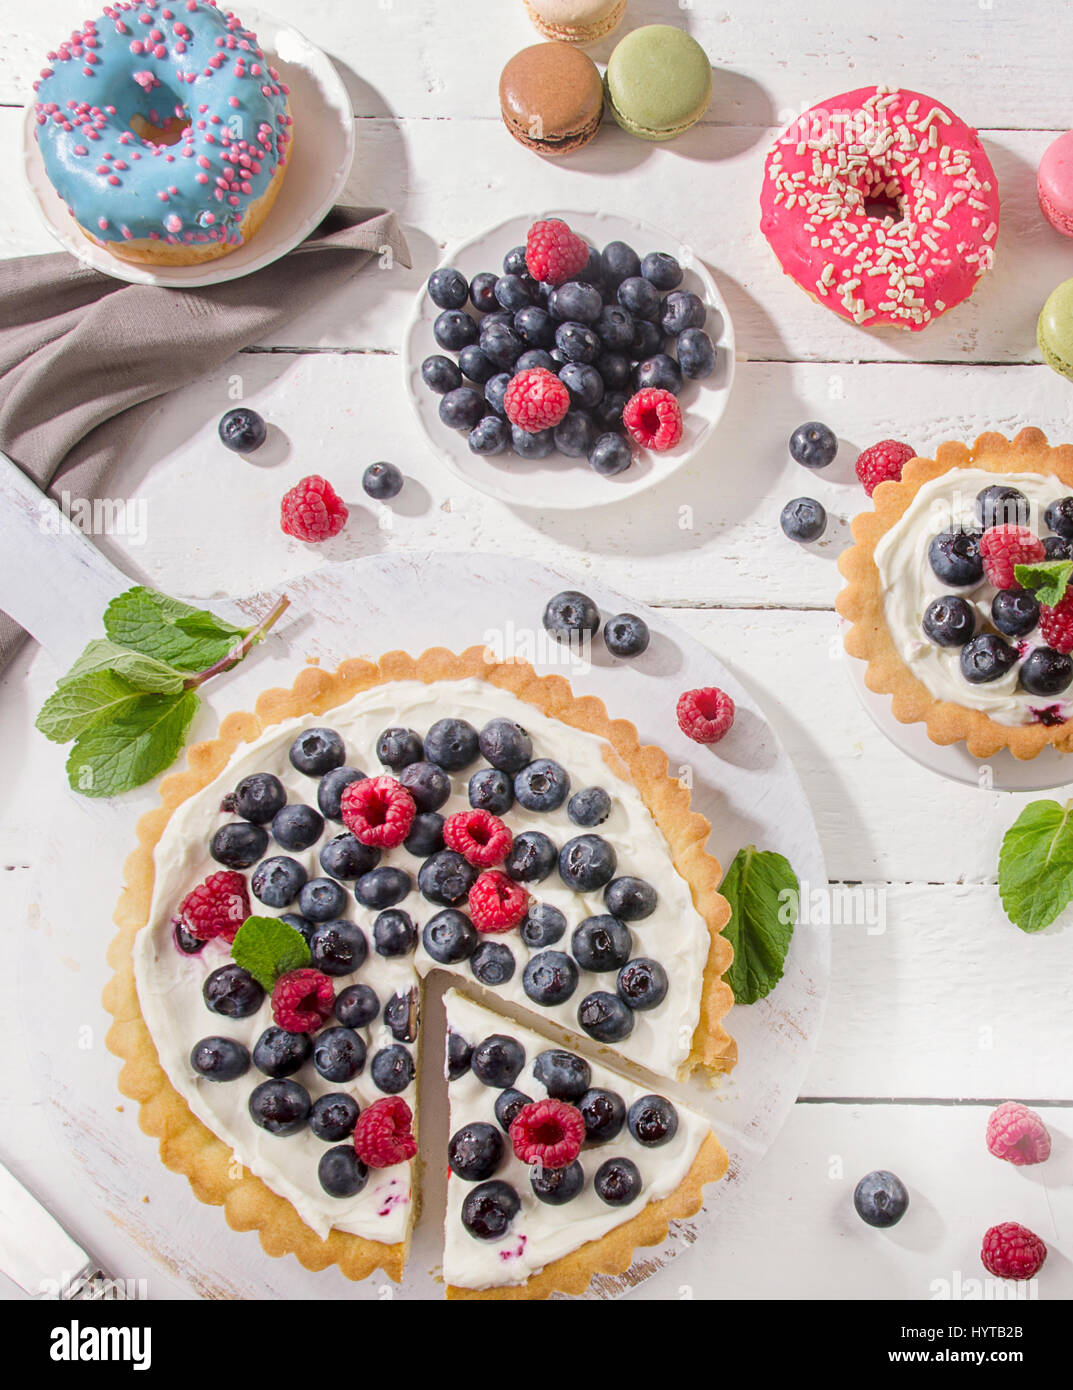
[(936, 1014)]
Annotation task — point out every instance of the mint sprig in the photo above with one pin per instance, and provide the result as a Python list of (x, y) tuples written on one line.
[(762, 890), (268, 947), (1048, 580), (130, 698), (1035, 866)]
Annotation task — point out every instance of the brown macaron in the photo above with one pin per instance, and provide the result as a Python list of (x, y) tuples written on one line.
[(552, 98)]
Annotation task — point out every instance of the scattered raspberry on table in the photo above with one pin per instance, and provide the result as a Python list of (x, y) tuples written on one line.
[(312, 510), (705, 715), (1012, 1251), (1017, 1134)]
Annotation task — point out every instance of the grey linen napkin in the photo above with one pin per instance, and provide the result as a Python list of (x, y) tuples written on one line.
[(84, 357)]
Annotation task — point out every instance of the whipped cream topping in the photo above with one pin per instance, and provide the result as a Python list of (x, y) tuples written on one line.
[(909, 584), (540, 1232)]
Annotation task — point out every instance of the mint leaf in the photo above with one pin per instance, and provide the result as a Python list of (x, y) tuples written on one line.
[(762, 890), (143, 738), (143, 672), (268, 947), (162, 627), (79, 702), (1035, 865), (1048, 579)]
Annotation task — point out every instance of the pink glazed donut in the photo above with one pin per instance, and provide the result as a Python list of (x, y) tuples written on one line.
[(881, 204)]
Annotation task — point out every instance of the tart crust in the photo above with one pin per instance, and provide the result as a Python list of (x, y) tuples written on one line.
[(861, 601), (188, 1146)]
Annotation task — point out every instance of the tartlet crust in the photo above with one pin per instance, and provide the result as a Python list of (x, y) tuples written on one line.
[(189, 1147), (861, 601)]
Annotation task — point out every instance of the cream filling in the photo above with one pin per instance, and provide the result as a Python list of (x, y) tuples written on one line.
[(541, 1233), (908, 584), (169, 983)]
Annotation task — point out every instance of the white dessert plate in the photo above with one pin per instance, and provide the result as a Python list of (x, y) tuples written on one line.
[(318, 168), (557, 482)]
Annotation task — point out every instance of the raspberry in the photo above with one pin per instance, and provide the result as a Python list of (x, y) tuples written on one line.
[(302, 1000), (536, 400), (548, 1132), (1012, 1251), (496, 902), (705, 715), (883, 463), (1002, 547), (1056, 624), (383, 1135), (217, 907), (553, 253), (312, 510), (480, 838), (378, 811), (1017, 1134), (654, 419)]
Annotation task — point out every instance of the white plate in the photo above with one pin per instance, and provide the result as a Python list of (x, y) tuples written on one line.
[(318, 167), (557, 482)]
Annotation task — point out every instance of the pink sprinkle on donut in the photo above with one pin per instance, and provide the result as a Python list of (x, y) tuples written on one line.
[(114, 180), (174, 223), (102, 222), (81, 149)]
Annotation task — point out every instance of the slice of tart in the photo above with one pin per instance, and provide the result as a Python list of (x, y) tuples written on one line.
[(558, 1166), (935, 595)]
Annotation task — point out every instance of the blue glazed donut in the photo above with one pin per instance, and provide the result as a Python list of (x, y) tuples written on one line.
[(164, 130)]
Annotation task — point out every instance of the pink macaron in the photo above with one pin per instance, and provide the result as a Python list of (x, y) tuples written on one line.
[(1055, 184)]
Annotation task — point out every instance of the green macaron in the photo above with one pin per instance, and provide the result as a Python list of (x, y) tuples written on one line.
[(658, 81), (1054, 331)]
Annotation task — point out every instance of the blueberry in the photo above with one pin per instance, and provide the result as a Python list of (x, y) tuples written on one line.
[(476, 365), (696, 353), (458, 1054), (813, 445), (220, 1059), (338, 1054), (446, 878), (999, 505), (543, 925), (949, 621), (238, 844), (232, 992), (259, 797), (299, 923), (630, 899), (601, 943), (333, 1116), (496, 389), (279, 1053), (803, 520), (593, 272), (639, 297), (1059, 517), (451, 744), (661, 270), (614, 369), (394, 933), (575, 434), (276, 882), (607, 414), (401, 1015), (454, 330), (382, 481), (490, 436), (534, 357), (557, 1186), (1014, 612), (482, 292), (344, 856), (475, 1152), (392, 1069), (626, 635), (954, 557), (507, 1105), (189, 944), (501, 319), (574, 302), (577, 343), (642, 983), (617, 1182), (338, 947), (549, 978), (331, 787), (383, 887), (610, 455), (620, 263), (448, 288), (280, 1107), (322, 899), (880, 1198), (681, 310), (1046, 672), (497, 1060), (501, 345), (297, 827), (428, 784), (1057, 548), (646, 339), (535, 327), (514, 292), (658, 372), (587, 863), (571, 612), (604, 1113), (531, 857), (462, 408), (564, 1075), (341, 1172), (986, 658), (440, 374), (357, 1006), (492, 963), (532, 446), (653, 1121), (489, 1209), (584, 385), (591, 806), (317, 751), (242, 430), (542, 786), (514, 262), (449, 937), (398, 748), (614, 327), (426, 834), (505, 744)]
